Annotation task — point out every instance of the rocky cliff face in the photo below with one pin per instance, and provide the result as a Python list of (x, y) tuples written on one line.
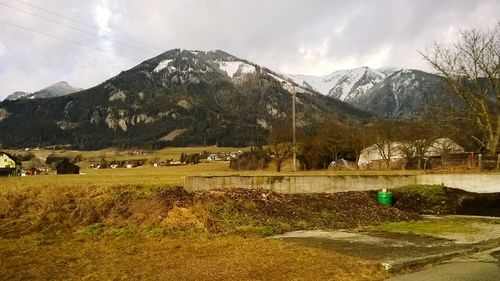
[(387, 92), (403, 94)]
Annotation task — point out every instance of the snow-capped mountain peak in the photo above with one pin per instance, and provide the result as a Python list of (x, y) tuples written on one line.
[(345, 85), (182, 65)]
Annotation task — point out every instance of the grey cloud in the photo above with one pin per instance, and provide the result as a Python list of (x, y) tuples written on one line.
[(300, 36)]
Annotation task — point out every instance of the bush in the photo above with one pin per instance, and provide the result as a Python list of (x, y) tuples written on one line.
[(251, 160), (24, 156)]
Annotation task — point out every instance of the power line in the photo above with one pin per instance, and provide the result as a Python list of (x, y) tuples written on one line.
[(77, 29), (88, 25), (65, 39)]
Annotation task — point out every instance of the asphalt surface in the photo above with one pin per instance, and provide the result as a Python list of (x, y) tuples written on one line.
[(455, 271), (444, 255), (393, 250)]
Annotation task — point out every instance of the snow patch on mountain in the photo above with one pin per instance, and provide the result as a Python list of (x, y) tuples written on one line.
[(17, 95), (162, 65), (233, 67), (288, 84)]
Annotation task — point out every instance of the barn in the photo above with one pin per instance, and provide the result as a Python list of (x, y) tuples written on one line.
[(66, 167)]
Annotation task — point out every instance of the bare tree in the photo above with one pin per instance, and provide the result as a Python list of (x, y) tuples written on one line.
[(335, 138), (417, 137), (280, 140), (471, 69), (383, 134), (313, 152), (358, 139)]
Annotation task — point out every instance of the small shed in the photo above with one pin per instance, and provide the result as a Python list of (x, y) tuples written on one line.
[(66, 167)]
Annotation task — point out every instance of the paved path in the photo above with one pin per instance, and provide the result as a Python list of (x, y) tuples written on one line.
[(393, 250), (455, 271), (398, 251)]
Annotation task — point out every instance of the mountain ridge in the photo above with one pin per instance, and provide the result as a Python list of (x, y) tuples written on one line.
[(210, 97), (55, 90), (345, 85), (368, 89)]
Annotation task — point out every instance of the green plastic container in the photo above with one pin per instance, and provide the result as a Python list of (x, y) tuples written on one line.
[(384, 198)]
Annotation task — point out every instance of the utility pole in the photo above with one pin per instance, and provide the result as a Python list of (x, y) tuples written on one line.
[(294, 147)]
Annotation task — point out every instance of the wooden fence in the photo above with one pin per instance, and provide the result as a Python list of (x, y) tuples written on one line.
[(468, 161)]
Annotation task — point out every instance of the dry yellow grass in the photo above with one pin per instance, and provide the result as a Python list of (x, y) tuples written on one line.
[(148, 175), (197, 257), (48, 204)]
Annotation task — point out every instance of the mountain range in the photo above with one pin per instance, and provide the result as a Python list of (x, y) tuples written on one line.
[(184, 97), (180, 97), (386, 92)]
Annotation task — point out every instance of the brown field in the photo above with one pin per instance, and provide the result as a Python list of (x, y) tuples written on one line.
[(110, 224), (199, 257), (132, 224)]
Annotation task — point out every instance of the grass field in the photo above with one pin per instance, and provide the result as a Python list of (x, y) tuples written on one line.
[(197, 257), (148, 175), (113, 224), (63, 229), (133, 224)]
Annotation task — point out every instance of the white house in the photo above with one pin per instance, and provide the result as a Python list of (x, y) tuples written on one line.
[(214, 157), (9, 165)]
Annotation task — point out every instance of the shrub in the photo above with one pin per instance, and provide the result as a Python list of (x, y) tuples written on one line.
[(251, 160)]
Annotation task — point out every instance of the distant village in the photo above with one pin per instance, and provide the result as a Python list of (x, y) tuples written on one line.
[(12, 164), (441, 154)]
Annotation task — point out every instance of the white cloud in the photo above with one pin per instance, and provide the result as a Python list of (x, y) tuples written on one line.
[(379, 58), (3, 50), (102, 16)]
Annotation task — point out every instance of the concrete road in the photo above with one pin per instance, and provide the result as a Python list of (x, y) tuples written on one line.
[(455, 271)]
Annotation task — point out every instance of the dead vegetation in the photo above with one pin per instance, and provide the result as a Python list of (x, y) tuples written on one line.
[(164, 233), (132, 257), (133, 231), (239, 211)]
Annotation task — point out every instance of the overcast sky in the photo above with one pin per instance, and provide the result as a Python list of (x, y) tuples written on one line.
[(301, 36)]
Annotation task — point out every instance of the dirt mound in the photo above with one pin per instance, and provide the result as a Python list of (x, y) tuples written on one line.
[(241, 211), (438, 199), (338, 210), (252, 210)]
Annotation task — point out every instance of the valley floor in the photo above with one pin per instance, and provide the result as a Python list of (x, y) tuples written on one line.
[(138, 224), (135, 225)]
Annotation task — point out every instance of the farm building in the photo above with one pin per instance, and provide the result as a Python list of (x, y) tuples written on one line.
[(66, 167), (9, 165), (373, 158)]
